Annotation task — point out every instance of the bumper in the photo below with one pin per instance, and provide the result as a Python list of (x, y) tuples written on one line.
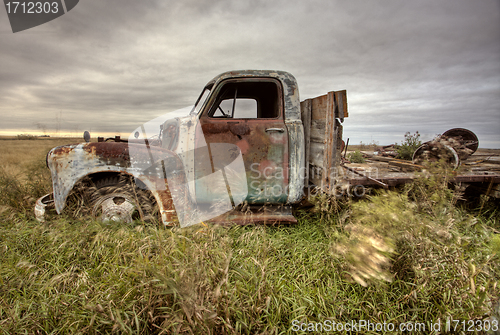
[(41, 206)]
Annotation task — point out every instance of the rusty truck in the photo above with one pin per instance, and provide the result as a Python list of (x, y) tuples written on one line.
[(247, 152)]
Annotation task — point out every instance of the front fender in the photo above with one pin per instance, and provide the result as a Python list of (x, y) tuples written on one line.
[(71, 163)]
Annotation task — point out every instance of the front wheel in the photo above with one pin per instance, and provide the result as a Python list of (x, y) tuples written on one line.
[(118, 199)]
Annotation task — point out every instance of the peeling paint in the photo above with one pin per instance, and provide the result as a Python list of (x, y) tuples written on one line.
[(70, 164), (277, 144)]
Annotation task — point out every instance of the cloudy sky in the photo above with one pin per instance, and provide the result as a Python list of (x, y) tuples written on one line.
[(109, 66)]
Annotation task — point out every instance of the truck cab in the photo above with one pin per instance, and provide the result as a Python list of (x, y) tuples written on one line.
[(239, 156)]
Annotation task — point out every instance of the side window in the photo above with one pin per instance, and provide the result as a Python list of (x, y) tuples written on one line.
[(247, 100), (243, 109)]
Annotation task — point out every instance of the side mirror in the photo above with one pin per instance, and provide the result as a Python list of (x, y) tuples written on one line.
[(86, 136)]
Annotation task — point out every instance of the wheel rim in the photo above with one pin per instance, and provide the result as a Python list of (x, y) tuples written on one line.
[(418, 155), (115, 207)]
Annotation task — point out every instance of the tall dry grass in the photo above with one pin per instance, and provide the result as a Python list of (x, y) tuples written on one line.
[(16, 156), (413, 256)]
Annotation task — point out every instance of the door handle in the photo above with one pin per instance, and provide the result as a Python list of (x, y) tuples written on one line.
[(280, 130)]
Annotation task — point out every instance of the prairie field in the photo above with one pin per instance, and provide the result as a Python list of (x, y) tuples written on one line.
[(414, 258), (18, 155)]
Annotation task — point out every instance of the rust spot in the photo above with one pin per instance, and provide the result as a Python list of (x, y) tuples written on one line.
[(238, 128), (215, 128), (243, 145)]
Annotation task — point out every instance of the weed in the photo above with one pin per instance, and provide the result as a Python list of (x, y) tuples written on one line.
[(356, 157), (420, 237), (406, 149)]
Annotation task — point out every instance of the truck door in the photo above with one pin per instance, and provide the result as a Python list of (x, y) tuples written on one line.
[(248, 113)]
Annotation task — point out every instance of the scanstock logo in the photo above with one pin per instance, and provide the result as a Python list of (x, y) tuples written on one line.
[(204, 179), (28, 14)]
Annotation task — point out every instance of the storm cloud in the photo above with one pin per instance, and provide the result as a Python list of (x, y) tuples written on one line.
[(112, 65)]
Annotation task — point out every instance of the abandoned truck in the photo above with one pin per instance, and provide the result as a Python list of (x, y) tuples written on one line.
[(246, 152)]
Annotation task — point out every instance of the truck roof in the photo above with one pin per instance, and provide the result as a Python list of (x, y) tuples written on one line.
[(288, 81)]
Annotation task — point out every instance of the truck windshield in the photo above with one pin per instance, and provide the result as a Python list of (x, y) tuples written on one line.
[(201, 101)]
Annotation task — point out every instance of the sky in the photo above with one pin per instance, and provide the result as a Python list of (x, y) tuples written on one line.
[(109, 66)]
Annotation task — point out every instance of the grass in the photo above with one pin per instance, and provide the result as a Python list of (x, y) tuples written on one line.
[(356, 157), (17, 155), (412, 256)]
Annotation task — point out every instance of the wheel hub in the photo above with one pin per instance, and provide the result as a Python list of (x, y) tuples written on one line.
[(116, 207)]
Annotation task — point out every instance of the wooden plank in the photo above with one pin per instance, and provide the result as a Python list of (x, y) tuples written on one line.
[(330, 141), (407, 165), (318, 108), (316, 154), (314, 175), (324, 135), (389, 159), (378, 182), (490, 161), (341, 100), (318, 131)]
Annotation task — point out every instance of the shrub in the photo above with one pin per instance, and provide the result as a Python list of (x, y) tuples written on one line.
[(406, 149), (414, 237), (26, 137), (356, 157)]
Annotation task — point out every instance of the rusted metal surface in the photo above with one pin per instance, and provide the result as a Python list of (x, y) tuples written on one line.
[(272, 148), (265, 154), (453, 146), (306, 109), (272, 145), (296, 161), (268, 215), (194, 159), (41, 206), (467, 141), (70, 164), (290, 87)]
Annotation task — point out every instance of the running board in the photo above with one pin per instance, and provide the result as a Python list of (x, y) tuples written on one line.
[(268, 215)]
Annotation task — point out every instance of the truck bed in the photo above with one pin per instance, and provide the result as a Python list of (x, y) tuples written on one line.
[(327, 170), (481, 169)]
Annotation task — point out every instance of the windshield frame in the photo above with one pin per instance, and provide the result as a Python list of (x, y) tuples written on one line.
[(202, 99)]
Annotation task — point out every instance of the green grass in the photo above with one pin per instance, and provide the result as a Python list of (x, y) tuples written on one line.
[(356, 157), (396, 257), (408, 147)]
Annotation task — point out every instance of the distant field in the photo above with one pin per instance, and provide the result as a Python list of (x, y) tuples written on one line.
[(18, 155), (367, 147)]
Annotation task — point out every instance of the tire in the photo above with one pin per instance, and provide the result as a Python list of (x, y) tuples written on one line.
[(118, 199)]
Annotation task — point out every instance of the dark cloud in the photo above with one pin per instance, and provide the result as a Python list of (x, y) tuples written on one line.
[(112, 65)]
